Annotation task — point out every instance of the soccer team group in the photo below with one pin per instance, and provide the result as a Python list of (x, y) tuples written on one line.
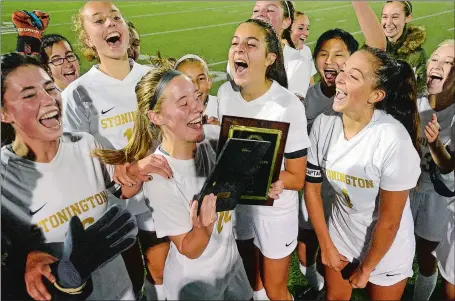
[(99, 170)]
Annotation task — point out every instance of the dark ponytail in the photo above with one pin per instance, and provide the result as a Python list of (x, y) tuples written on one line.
[(396, 78), (9, 63), (288, 12), (275, 71)]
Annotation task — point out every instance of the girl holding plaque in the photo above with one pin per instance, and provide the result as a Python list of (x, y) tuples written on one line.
[(203, 261), (257, 67)]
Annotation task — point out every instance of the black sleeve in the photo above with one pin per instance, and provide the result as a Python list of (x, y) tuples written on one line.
[(297, 154), (313, 173)]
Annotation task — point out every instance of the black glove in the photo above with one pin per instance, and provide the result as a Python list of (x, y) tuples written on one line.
[(85, 251)]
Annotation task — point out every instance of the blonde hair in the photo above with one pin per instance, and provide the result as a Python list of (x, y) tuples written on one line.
[(89, 53), (450, 42), (144, 132), (192, 58)]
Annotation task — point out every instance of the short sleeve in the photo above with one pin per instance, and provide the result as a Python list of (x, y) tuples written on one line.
[(300, 80), (313, 171), (170, 212), (76, 111), (400, 164), (313, 69), (297, 140)]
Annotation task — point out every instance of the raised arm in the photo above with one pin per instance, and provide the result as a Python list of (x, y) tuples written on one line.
[(369, 24)]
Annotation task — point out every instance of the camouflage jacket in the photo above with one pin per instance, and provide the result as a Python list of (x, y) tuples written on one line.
[(409, 48)]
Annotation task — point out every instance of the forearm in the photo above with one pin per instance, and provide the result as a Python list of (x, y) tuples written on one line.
[(369, 24), (195, 242), (129, 192), (441, 156), (384, 234), (292, 181), (313, 202)]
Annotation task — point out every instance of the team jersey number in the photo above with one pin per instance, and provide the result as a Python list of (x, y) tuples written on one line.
[(223, 218), (128, 134), (87, 222), (426, 161), (346, 199)]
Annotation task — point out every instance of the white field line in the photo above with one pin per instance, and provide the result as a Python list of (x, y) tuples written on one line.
[(197, 10), (358, 32), (119, 6), (451, 29)]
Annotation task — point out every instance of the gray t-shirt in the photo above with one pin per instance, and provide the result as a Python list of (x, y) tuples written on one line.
[(316, 103)]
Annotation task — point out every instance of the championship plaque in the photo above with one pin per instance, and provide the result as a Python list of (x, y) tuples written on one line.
[(276, 133)]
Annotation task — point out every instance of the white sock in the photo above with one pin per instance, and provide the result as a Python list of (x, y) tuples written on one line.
[(154, 292), (260, 295), (315, 280), (424, 286)]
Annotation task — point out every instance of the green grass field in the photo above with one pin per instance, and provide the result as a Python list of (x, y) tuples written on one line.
[(205, 28)]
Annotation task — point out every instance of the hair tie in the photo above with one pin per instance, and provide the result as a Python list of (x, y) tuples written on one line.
[(165, 79)]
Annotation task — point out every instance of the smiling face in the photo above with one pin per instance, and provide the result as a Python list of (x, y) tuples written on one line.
[(300, 31), (330, 59), (67, 72), (32, 104), (198, 75), (106, 30), (393, 20), (180, 116), (355, 85), (440, 70), (272, 12), (248, 57)]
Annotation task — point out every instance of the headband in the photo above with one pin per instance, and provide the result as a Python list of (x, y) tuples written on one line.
[(191, 56), (165, 79), (409, 6), (287, 6)]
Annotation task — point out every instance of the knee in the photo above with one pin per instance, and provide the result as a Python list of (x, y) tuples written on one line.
[(276, 291)]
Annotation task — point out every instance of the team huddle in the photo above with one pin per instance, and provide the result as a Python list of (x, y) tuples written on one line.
[(100, 170)]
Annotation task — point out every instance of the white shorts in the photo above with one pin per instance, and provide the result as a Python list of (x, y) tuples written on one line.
[(327, 195), (431, 214), (275, 239), (388, 277), (237, 287), (145, 221)]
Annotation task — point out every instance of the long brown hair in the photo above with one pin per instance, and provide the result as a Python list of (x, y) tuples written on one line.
[(149, 93)]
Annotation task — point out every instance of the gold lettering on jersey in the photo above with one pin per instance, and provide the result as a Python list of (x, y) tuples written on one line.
[(349, 180), (117, 120), (61, 217), (223, 218)]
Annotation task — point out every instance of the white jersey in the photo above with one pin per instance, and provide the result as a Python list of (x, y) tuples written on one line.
[(306, 53), (380, 156), (170, 200), (446, 118), (316, 103), (277, 104), (39, 199), (106, 110), (445, 252), (298, 71)]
